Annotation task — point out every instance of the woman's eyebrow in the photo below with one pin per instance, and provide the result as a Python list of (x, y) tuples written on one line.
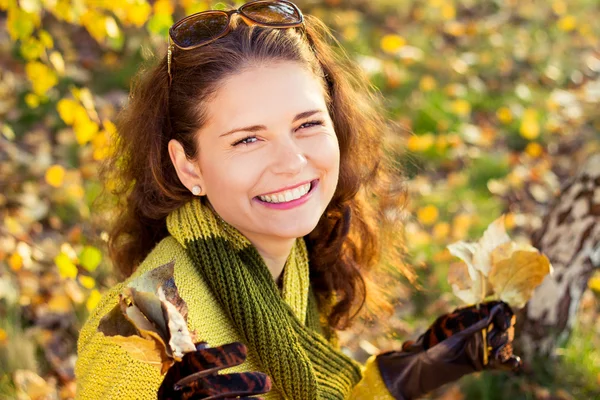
[(255, 128)]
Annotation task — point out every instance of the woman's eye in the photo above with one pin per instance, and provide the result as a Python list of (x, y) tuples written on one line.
[(246, 140), (311, 124)]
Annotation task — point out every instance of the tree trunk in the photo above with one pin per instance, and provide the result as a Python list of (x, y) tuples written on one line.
[(570, 237)]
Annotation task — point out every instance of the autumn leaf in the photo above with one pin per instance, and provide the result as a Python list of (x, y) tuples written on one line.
[(496, 266), (150, 320), (517, 270)]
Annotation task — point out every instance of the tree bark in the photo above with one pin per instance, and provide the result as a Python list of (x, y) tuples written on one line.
[(570, 237)]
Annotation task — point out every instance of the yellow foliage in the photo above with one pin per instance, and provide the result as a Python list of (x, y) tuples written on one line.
[(455, 28), (15, 261), (441, 230), (427, 83), (497, 266), (567, 23), (64, 10), (3, 336), (163, 7), (594, 284), (391, 43), (461, 107), (530, 126), (46, 39), (31, 49), (66, 268), (102, 142), (57, 62), (350, 32), (417, 143), (21, 24), (55, 175), (137, 13), (32, 100), (95, 23), (75, 191), (559, 7), (460, 226), (504, 115), (93, 300), (534, 149), (41, 76), (516, 272), (428, 215), (448, 12), (85, 129), (87, 281), (60, 304), (66, 109), (509, 221)]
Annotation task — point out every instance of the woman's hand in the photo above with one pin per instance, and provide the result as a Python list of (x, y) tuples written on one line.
[(467, 340), (195, 376)]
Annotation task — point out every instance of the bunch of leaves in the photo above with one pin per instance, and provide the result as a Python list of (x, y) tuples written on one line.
[(150, 319), (496, 268)]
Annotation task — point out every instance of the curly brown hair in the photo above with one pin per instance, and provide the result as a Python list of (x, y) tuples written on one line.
[(346, 242)]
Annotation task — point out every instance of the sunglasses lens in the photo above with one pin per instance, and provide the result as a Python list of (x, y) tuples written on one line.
[(198, 29), (273, 12)]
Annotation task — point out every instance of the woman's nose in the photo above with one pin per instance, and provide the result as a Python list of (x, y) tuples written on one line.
[(289, 158)]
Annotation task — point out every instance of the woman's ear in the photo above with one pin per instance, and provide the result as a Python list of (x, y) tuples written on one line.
[(187, 170)]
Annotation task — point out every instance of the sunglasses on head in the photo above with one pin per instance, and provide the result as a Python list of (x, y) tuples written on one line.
[(207, 26)]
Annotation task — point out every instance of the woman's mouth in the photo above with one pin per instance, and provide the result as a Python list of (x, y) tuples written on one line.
[(288, 198)]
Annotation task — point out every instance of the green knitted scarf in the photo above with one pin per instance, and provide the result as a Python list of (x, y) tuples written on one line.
[(300, 361)]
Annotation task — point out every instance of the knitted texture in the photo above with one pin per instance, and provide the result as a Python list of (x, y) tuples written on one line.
[(105, 371), (302, 364)]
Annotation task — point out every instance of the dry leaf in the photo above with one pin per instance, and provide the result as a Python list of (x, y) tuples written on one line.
[(180, 341), (516, 272), (150, 320), (496, 266), (459, 278), (142, 349)]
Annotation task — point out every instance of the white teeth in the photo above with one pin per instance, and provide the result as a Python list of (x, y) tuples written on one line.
[(287, 195)]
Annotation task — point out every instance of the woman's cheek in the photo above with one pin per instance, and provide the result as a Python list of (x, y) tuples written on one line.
[(324, 150)]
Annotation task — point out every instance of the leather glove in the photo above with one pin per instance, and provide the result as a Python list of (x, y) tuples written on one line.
[(195, 376), (467, 340)]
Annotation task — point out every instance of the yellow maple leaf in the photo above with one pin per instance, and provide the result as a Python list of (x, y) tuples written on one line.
[(496, 266), (516, 271)]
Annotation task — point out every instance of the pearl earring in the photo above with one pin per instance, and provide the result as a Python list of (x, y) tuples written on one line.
[(196, 190)]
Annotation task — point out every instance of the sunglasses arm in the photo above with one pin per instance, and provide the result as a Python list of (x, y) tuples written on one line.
[(169, 57)]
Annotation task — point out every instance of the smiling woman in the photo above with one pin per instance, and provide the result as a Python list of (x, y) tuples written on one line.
[(289, 142), (253, 156)]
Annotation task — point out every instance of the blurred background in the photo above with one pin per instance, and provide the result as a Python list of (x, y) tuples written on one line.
[(497, 105)]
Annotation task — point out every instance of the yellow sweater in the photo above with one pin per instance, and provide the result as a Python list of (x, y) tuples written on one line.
[(105, 371)]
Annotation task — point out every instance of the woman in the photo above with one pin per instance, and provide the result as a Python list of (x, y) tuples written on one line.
[(247, 154)]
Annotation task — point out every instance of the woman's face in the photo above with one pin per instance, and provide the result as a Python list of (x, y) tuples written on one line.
[(268, 140)]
